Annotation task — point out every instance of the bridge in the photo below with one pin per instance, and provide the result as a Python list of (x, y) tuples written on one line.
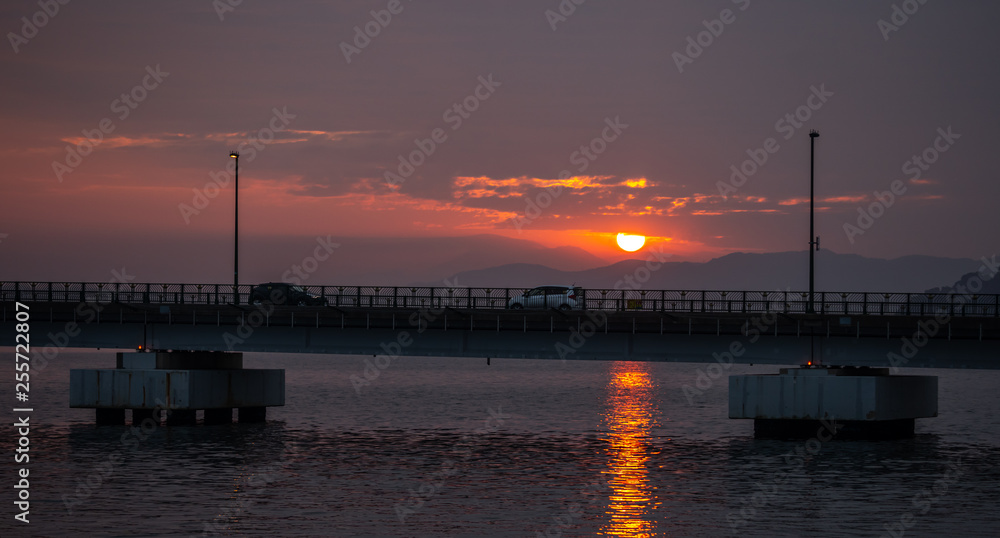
[(187, 325), (766, 327)]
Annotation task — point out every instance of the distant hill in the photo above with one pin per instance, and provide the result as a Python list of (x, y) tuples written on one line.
[(990, 284), (770, 271), (483, 260)]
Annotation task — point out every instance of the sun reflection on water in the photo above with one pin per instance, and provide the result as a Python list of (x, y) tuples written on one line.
[(629, 419)]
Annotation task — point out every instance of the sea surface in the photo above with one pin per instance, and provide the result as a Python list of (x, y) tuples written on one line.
[(456, 447)]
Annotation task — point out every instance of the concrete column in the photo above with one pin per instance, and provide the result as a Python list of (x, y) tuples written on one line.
[(182, 417), (902, 428), (219, 416), (110, 417), (252, 414), (138, 415)]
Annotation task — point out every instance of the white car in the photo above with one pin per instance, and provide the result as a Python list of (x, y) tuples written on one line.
[(561, 297)]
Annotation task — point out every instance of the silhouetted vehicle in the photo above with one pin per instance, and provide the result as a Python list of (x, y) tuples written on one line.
[(561, 297), (284, 293)]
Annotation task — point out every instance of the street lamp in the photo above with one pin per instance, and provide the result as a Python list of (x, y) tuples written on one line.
[(236, 231), (813, 238)]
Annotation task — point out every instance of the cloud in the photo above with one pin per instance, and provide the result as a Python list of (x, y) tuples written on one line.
[(844, 199)]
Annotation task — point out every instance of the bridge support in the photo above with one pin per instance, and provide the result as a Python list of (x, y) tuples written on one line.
[(110, 417), (219, 416), (252, 414), (180, 383), (833, 402)]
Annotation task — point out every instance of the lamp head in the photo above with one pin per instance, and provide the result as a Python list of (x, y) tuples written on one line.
[(813, 133), (234, 154)]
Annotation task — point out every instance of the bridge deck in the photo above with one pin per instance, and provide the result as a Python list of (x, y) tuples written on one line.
[(939, 340), (669, 301), (547, 320)]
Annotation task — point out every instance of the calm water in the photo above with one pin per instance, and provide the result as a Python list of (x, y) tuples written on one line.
[(436, 447)]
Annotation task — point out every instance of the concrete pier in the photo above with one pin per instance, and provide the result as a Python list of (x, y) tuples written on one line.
[(109, 417), (856, 402), (222, 415), (139, 415), (252, 414), (180, 383)]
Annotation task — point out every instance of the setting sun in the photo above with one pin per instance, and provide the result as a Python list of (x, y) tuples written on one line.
[(631, 243)]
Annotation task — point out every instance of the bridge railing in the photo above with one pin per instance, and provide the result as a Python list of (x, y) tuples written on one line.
[(667, 301)]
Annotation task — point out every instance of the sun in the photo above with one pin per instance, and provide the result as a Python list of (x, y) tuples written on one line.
[(631, 243)]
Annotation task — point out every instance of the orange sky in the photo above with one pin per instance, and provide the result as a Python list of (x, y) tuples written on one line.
[(556, 137)]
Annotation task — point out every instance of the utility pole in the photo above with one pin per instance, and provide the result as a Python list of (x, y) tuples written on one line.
[(236, 232), (813, 238)]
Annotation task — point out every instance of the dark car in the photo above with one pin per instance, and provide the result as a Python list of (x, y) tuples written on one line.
[(284, 293), (561, 297)]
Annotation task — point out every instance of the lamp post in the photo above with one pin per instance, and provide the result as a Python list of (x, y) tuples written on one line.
[(813, 239), (236, 231)]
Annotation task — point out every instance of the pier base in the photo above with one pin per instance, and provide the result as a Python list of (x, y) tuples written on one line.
[(219, 416), (182, 417), (140, 415), (764, 428), (181, 383), (110, 417), (837, 401), (248, 415)]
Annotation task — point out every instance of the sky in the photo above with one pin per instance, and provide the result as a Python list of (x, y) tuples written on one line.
[(562, 123)]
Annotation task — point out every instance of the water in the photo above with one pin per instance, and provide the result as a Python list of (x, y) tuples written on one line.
[(436, 447)]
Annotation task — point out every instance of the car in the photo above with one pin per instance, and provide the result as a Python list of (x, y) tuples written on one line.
[(561, 297), (284, 293)]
